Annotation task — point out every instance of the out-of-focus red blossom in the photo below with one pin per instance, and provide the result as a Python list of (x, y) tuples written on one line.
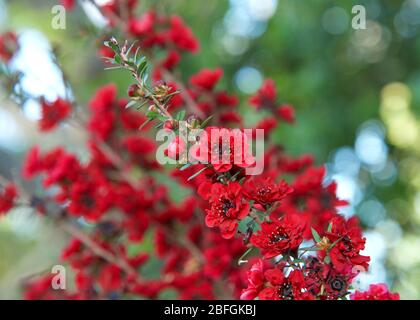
[(268, 125), (118, 9), (286, 112), (266, 95), (225, 99), (8, 197), (53, 113), (279, 236), (226, 207), (171, 60), (182, 36), (8, 46), (375, 292), (68, 4), (206, 79), (154, 30)]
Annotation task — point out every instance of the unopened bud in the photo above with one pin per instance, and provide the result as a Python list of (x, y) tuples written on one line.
[(193, 121), (170, 125)]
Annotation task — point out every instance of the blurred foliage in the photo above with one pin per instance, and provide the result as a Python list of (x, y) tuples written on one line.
[(333, 80)]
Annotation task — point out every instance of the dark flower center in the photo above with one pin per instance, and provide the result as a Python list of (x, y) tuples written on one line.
[(276, 237), (338, 284), (285, 291), (264, 191), (224, 206)]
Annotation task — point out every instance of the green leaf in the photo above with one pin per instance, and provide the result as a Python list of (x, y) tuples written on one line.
[(130, 104), (185, 166), (152, 114), (142, 104), (118, 58), (205, 122), (327, 259), (196, 174), (180, 115), (241, 259), (141, 66), (130, 48), (329, 229), (111, 45), (315, 235)]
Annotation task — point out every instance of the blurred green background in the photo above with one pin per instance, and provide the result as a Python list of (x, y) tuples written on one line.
[(356, 94)]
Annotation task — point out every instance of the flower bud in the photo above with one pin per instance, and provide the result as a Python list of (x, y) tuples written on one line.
[(170, 125), (153, 108), (175, 148), (133, 90), (193, 121)]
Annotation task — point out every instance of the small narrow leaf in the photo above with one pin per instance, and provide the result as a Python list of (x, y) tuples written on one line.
[(196, 174), (241, 259), (145, 123), (130, 104), (180, 115), (185, 166), (329, 229), (205, 122), (315, 235)]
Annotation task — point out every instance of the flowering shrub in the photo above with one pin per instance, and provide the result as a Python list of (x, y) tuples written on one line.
[(271, 236)]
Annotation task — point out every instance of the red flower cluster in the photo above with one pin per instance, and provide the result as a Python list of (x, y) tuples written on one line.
[(304, 249), (375, 292)]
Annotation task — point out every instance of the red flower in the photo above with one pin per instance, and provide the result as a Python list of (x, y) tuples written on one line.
[(265, 96), (206, 79), (286, 112), (226, 207), (8, 46), (279, 236), (7, 198), (223, 148), (53, 113), (274, 285), (264, 191), (375, 292), (348, 242)]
